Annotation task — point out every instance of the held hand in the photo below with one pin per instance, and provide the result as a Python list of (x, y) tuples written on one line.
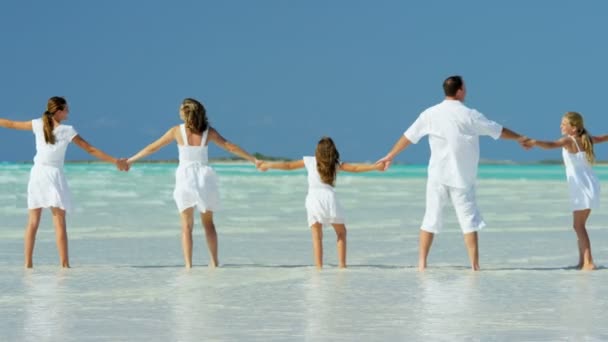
[(261, 165), (122, 165), (526, 142), (387, 160), (380, 166)]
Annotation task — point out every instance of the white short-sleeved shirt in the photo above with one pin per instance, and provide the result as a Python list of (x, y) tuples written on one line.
[(52, 154), (453, 131)]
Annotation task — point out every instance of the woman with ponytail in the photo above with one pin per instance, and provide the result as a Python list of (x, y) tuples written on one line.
[(47, 186), (584, 186), (322, 205), (196, 184)]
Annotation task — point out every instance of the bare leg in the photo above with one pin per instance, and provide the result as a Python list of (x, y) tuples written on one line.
[(584, 244), (61, 236), (425, 242), (317, 244), (211, 235), (29, 238), (341, 247), (187, 221), (470, 241), (581, 258)]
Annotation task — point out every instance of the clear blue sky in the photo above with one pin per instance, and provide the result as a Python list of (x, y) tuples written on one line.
[(276, 75)]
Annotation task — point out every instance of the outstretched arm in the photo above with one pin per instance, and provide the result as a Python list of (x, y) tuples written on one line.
[(290, 165), (230, 147), (155, 146), (21, 125), (94, 151), (563, 142), (599, 139), (399, 146), (379, 166), (510, 135), (121, 164)]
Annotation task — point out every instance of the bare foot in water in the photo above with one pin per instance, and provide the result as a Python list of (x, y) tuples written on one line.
[(421, 266), (588, 267)]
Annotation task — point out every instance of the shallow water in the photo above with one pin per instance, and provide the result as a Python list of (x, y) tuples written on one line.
[(128, 282)]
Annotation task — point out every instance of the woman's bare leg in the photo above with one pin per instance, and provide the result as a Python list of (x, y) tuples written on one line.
[(29, 238), (211, 235), (187, 221), (61, 236)]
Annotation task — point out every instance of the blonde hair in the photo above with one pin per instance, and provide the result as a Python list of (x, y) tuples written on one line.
[(53, 105), (328, 160), (195, 115), (576, 120)]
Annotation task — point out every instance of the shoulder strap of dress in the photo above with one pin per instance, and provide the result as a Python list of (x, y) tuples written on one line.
[(575, 143), (204, 137), (182, 129)]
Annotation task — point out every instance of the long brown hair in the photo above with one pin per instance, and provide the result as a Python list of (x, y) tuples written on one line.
[(328, 160), (53, 105), (576, 120), (195, 115)]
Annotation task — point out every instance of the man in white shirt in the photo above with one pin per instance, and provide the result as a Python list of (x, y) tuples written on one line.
[(453, 131)]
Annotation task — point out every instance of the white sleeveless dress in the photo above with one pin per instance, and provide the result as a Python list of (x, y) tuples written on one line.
[(322, 205), (583, 184), (196, 184), (47, 186)]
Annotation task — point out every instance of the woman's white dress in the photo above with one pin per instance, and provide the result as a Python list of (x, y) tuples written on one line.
[(196, 184), (47, 186)]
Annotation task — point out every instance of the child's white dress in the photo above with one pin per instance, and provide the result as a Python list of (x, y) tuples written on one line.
[(196, 184), (583, 183), (322, 205), (47, 186)]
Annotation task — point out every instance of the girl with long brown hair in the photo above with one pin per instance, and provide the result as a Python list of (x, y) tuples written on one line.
[(196, 184), (583, 184), (47, 186), (322, 205)]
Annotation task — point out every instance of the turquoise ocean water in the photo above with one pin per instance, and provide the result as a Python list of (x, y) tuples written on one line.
[(127, 281)]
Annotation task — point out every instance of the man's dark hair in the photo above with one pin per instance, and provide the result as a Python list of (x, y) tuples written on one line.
[(451, 85)]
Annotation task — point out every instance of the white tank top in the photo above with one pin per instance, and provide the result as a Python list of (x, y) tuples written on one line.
[(192, 154), (52, 154), (575, 163)]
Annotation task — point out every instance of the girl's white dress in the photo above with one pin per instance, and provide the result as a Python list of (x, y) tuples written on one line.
[(322, 205), (196, 184), (47, 186), (583, 183)]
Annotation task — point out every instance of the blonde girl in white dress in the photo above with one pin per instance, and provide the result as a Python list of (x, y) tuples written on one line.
[(583, 184), (47, 186), (322, 205), (196, 184)]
